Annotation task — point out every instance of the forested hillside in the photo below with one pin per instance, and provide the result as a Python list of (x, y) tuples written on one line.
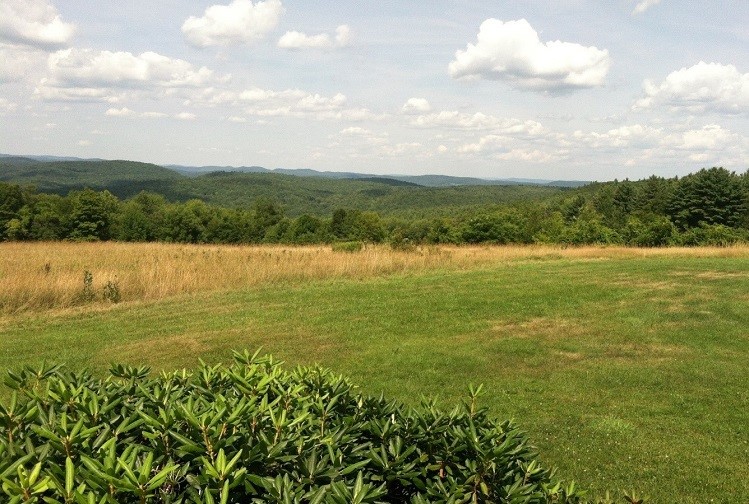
[(298, 195), (136, 203)]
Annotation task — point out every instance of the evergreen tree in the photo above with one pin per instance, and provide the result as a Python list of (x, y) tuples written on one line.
[(713, 196)]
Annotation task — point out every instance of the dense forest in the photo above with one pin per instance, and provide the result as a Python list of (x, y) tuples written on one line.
[(300, 195), (707, 207)]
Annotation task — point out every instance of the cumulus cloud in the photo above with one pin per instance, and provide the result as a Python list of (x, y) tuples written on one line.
[(86, 75), (484, 143), (299, 40), (33, 22), (644, 5), (288, 103), (343, 36), (416, 106), (126, 112), (509, 148), (512, 51), (712, 145), (186, 116), (119, 112), (709, 137), (530, 156), (240, 22), (635, 135), (477, 122), (704, 87)]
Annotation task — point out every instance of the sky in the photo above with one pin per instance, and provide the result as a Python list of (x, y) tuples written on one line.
[(565, 89)]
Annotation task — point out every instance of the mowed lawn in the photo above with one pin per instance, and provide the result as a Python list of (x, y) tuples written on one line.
[(627, 372)]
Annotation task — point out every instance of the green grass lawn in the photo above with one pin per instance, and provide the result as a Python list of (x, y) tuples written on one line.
[(627, 373)]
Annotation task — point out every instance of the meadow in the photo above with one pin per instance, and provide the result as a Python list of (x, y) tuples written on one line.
[(627, 367)]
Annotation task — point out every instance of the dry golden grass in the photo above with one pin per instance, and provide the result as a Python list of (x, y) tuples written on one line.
[(44, 276)]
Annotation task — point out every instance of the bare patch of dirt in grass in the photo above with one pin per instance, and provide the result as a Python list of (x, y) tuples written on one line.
[(571, 356), (720, 275), (676, 307), (624, 280), (694, 302), (543, 328), (644, 353), (710, 274)]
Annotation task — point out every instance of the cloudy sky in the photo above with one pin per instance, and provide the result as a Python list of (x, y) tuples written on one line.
[(554, 89)]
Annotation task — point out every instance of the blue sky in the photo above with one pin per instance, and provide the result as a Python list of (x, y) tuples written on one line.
[(570, 89)]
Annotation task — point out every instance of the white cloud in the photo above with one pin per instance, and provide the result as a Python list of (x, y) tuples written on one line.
[(634, 135), (488, 141), (477, 122), (512, 51), (126, 112), (342, 36), (530, 156), (644, 5), (89, 75), (33, 22), (240, 22), (287, 103), (84, 143), (711, 145), (355, 131), (86, 66), (508, 148), (709, 137), (121, 112), (416, 106), (186, 116), (236, 119), (317, 103), (704, 87), (51, 91), (19, 61), (299, 40)]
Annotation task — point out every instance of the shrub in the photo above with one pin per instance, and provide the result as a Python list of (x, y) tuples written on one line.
[(87, 293), (249, 433), (347, 246), (111, 291), (715, 235)]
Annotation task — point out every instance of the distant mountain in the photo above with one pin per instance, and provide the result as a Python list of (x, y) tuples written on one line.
[(192, 171), (422, 180), (48, 158), (317, 193)]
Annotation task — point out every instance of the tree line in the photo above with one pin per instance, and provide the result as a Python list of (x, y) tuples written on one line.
[(709, 207)]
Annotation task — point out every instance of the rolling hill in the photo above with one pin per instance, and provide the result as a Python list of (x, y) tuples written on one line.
[(317, 195)]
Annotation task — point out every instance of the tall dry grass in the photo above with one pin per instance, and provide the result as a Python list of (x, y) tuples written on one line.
[(44, 276)]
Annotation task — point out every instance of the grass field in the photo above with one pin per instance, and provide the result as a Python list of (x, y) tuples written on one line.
[(629, 368)]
